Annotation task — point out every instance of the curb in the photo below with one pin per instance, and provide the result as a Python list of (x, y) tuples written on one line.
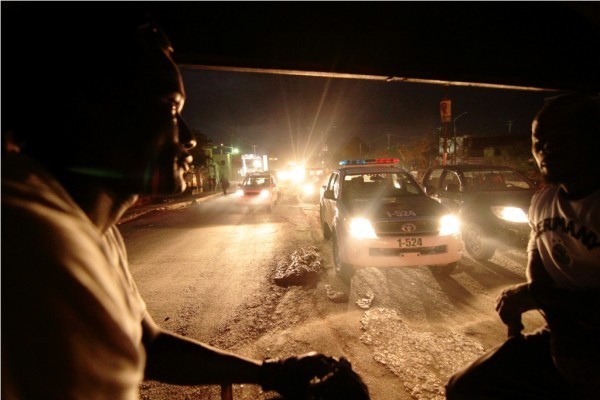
[(136, 212)]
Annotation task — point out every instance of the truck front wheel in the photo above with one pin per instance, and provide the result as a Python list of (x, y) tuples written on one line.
[(343, 270)]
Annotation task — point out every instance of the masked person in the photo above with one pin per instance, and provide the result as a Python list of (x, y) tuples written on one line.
[(93, 98), (562, 359)]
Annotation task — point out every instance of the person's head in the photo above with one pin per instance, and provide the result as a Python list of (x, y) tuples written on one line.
[(91, 90), (564, 135)]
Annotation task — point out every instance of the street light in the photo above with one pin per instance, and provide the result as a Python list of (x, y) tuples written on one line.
[(454, 132)]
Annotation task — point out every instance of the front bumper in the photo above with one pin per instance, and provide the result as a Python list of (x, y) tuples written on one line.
[(386, 251), (254, 201)]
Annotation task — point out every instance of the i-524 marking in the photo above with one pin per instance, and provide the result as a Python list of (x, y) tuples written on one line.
[(410, 242)]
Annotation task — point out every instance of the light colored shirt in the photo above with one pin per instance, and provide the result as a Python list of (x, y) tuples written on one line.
[(71, 313), (567, 235)]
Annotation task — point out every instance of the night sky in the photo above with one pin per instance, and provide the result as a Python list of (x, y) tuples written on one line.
[(534, 44), (286, 115)]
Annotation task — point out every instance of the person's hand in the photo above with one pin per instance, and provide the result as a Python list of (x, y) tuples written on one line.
[(511, 303), (312, 376), (291, 377), (341, 383)]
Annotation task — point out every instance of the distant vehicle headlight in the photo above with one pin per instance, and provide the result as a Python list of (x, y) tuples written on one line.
[(512, 214), (265, 193), (361, 228), (239, 193), (308, 189), (449, 225), (283, 176)]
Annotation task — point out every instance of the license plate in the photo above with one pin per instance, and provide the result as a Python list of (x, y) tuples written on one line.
[(410, 242)]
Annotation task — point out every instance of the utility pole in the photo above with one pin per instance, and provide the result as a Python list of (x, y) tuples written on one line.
[(510, 124), (445, 116), (254, 149), (388, 146), (454, 128), (445, 155), (322, 149)]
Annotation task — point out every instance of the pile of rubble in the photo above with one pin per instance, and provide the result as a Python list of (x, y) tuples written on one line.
[(423, 359), (304, 268)]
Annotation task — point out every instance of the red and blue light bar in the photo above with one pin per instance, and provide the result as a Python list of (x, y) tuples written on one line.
[(371, 161)]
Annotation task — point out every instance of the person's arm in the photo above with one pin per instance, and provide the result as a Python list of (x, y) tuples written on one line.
[(511, 304), (175, 359), (536, 273), (574, 321), (541, 293), (583, 306), (516, 300)]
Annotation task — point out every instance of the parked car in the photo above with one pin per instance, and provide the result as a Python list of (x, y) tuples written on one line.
[(491, 201), (377, 215), (258, 190)]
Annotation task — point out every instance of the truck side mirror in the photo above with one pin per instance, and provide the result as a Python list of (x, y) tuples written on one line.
[(328, 194)]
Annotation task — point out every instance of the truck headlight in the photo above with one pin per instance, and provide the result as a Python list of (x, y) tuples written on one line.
[(361, 228), (264, 193), (511, 214), (449, 225), (239, 193)]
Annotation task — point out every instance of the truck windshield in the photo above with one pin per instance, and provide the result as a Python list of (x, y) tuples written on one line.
[(381, 184)]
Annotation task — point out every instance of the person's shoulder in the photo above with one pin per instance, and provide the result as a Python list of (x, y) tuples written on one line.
[(545, 193), (36, 206), (542, 201), (26, 180)]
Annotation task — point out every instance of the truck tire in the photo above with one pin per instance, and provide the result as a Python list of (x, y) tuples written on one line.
[(477, 244), (326, 230), (343, 270)]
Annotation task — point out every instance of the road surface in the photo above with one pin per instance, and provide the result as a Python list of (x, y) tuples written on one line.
[(206, 272)]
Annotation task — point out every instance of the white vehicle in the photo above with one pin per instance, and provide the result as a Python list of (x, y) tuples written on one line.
[(378, 216)]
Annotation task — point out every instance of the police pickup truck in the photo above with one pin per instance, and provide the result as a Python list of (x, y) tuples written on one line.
[(377, 215)]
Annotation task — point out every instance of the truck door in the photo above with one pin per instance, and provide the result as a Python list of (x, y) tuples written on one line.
[(449, 191)]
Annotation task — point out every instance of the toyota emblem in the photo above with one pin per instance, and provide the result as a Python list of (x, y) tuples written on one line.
[(408, 228)]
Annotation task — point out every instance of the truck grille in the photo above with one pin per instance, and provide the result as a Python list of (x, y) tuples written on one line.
[(395, 227)]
